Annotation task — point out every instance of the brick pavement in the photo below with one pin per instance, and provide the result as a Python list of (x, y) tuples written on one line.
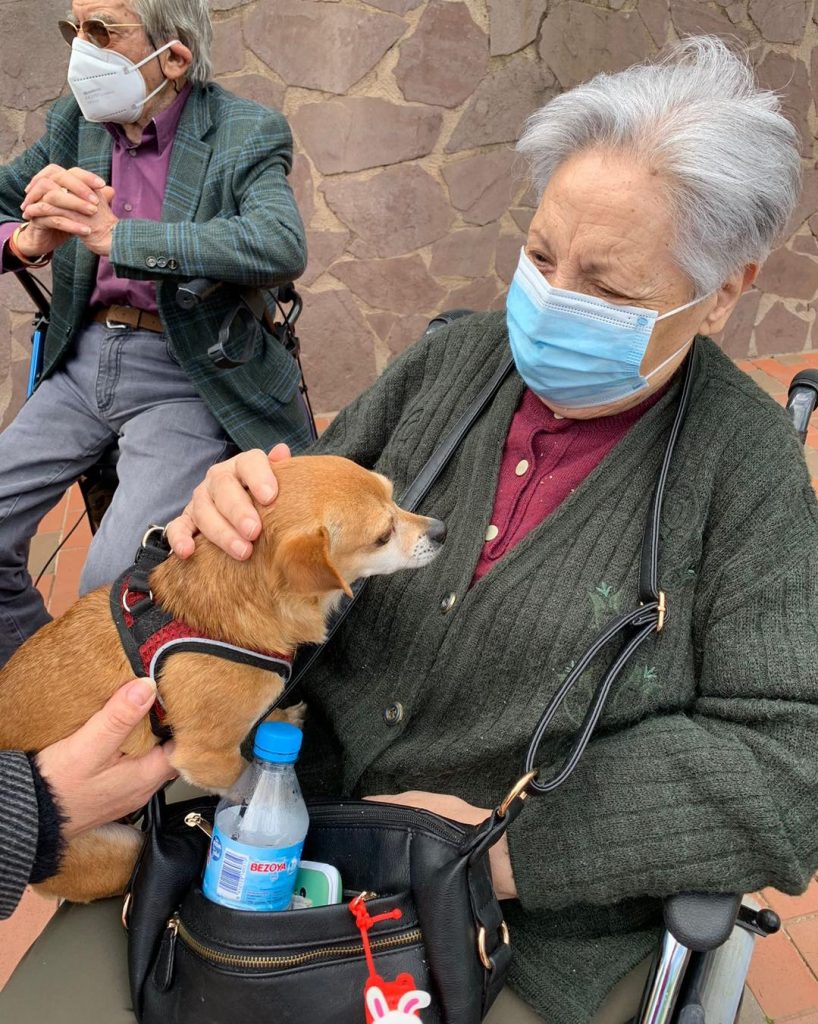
[(783, 981)]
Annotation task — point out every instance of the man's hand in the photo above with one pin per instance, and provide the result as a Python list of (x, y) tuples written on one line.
[(453, 807), (221, 509), (94, 783), (78, 182), (77, 190), (61, 211)]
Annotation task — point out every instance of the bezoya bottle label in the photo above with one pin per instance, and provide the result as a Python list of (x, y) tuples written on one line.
[(250, 877)]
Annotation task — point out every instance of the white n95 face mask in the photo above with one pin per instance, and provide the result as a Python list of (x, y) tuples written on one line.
[(108, 86)]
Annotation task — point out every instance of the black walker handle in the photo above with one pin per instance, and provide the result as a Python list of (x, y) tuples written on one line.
[(191, 293)]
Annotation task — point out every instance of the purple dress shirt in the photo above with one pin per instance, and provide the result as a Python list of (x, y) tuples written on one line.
[(138, 176)]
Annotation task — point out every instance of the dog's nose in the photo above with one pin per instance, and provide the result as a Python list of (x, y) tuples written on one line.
[(437, 531)]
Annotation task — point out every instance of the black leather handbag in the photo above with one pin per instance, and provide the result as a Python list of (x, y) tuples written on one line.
[(195, 962), (191, 960)]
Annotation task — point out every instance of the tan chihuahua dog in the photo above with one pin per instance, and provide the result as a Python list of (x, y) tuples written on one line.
[(332, 522)]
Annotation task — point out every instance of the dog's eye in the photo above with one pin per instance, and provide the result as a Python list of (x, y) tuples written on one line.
[(384, 539)]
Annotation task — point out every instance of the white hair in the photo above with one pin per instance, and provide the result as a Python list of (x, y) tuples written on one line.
[(185, 20), (696, 117)]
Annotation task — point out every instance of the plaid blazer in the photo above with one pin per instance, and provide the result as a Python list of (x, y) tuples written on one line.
[(228, 214)]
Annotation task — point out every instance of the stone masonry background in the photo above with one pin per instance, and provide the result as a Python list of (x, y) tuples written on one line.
[(404, 114)]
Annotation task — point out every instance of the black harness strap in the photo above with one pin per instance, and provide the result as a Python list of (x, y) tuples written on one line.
[(150, 634)]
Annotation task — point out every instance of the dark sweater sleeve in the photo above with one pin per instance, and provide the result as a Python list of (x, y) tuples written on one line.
[(50, 841), (19, 828), (724, 797)]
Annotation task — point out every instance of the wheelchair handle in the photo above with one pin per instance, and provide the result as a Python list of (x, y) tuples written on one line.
[(701, 921), (802, 400), (445, 318)]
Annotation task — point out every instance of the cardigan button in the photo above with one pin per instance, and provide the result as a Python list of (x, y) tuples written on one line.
[(150, 261), (448, 602), (393, 714)]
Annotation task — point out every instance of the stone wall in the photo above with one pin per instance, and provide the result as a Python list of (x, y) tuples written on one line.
[(404, 114)]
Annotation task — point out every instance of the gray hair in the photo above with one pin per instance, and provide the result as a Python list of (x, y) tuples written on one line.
[(185, 20), (696, 117)]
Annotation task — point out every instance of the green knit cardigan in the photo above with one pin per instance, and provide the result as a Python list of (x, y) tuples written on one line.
[(703, 774)]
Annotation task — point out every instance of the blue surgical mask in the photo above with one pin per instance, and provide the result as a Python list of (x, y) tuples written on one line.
[(575, 350)]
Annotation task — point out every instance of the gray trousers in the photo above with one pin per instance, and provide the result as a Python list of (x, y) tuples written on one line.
[(119, 383)]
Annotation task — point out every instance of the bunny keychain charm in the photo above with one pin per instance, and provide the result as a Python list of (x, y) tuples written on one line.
[(378, 1010), (379, 994)]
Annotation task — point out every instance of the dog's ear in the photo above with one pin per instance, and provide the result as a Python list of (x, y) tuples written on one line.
[(305, 561)]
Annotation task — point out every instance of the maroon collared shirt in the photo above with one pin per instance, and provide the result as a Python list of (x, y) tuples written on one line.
[(545, 458), (139, 173)]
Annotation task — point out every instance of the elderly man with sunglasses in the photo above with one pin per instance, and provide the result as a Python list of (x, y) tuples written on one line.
[(146, 174)]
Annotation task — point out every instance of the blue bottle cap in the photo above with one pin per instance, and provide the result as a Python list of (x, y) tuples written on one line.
[(277, 741)]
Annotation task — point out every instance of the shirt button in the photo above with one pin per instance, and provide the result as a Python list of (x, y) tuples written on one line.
[(127, 207), (448, 602), (492, 532), (393, 713), (521, 467), (150, 261), (131, 152)]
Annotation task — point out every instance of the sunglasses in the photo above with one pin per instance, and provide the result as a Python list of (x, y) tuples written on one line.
[(98, 31)]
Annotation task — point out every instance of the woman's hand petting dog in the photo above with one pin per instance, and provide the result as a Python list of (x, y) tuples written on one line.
[(453, 807), (92, 782), (220, 508)]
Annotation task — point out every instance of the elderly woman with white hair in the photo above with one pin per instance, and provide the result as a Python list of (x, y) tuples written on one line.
[(663, 188)]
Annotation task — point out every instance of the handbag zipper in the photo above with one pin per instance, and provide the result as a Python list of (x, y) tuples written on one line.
[(357, 813), (175, 926)]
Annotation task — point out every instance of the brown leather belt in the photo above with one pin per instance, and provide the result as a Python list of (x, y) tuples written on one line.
[(129, 316)]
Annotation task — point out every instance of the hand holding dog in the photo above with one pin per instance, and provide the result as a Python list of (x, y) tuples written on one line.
[(94, 783), (453, 807), (221, 509)]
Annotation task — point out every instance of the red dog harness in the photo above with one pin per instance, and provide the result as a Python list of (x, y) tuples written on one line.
[(150, 634)]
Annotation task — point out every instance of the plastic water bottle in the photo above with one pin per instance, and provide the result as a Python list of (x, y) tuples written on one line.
[(260, 828)]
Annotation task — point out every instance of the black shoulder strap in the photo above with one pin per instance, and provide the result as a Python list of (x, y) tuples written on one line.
[(635, 626), (409, 500)]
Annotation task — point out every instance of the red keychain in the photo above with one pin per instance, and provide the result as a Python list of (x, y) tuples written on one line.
[(387, 1002)]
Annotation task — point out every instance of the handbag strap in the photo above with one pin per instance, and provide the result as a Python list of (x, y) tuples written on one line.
[(409, 500), (635, 626)]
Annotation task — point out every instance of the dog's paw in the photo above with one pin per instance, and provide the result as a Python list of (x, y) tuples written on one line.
[(294, 715)]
